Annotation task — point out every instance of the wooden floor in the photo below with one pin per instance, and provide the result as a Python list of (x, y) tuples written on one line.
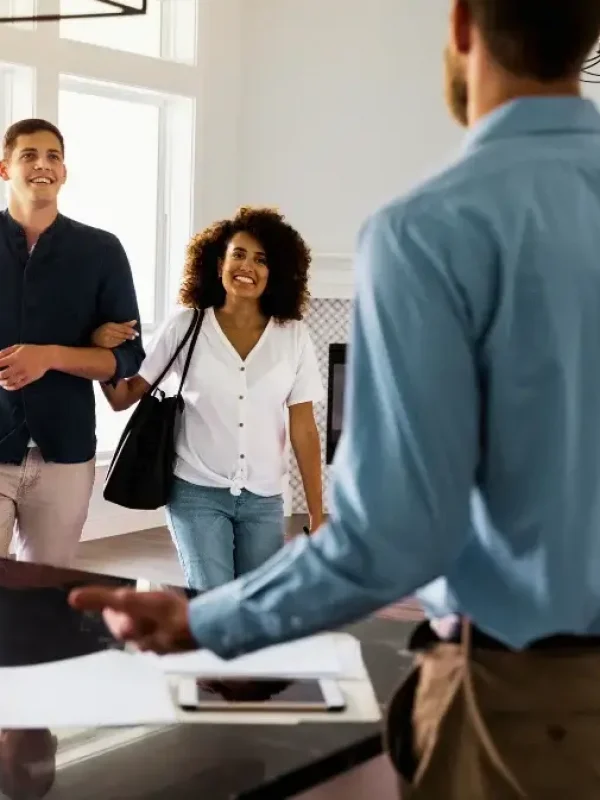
[(151, 555), (144, 554)]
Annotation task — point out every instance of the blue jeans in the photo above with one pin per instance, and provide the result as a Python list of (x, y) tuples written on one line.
[(219, 536)]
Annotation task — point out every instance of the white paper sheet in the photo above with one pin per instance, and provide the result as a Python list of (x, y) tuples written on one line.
[(115, 688), (101, 689), (349, 651), (312, 657)]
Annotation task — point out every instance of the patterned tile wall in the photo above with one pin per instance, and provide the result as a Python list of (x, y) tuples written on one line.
[(328, 321)]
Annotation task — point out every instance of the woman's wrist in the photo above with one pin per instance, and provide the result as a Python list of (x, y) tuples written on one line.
[(315, 520)]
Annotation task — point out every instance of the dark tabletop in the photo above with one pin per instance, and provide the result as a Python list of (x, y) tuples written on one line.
[(218, 762)]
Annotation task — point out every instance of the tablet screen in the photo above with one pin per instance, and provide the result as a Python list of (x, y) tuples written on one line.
[(263, 694)]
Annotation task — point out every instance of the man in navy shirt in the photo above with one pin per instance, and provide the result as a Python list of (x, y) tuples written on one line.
[(59, 280)]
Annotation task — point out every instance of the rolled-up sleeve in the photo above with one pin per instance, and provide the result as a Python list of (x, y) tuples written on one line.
[(118, 303), (307, 387), (405, 464)]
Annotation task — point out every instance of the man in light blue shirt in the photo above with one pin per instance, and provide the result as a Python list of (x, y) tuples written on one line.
[(469, 466)]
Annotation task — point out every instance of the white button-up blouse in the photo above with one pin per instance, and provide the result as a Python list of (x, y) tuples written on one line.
[(234, 428)]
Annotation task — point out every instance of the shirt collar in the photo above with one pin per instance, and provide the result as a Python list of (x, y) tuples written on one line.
[(16, 227), (535, 116)]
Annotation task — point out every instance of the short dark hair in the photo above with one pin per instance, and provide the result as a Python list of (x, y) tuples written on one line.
[(26, 127), (288, 259), (545, 40)]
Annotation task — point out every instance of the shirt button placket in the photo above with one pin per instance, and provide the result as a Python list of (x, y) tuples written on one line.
[(242, 420)]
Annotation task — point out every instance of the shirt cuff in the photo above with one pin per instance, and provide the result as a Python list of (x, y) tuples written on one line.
[(249, 613), (128, 362), (120, 368), (215, 620)]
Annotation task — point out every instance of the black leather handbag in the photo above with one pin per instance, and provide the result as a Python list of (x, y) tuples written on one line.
[(140, 475)]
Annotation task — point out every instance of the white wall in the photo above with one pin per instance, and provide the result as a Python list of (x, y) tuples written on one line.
[(592, 91), (342, 108), (325, 108)]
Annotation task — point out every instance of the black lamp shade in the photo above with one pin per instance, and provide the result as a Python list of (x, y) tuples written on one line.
[(106, 8), (591, 68)]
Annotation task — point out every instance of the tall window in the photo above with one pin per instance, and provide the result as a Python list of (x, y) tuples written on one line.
[(124, 165), (114, 180)]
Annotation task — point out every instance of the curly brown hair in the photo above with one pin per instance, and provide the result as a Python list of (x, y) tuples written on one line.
[(288, 258)]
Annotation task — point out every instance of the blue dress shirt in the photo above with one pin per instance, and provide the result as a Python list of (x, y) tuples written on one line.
[(469, 465)]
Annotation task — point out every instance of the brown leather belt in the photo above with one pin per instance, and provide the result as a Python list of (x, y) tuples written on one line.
[(424, 637)]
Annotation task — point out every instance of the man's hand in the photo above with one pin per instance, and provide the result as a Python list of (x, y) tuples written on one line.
[(113, 334), (155, 621), (23, 364)]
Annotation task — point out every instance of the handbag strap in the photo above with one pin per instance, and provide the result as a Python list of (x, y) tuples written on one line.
[(199, 319), (198, 315), (194, 329)]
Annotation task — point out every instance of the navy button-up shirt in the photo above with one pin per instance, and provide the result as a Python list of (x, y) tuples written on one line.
[(75, 279)]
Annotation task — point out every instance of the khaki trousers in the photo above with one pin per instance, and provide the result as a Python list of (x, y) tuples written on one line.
[(45, 505), (496, 725)]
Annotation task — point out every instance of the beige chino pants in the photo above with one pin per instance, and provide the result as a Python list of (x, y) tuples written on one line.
[(45, 505)]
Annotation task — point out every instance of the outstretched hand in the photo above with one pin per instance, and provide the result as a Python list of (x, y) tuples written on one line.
[(156, 621)]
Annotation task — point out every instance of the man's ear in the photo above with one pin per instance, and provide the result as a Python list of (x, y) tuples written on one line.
[(461, 22), (4, 170)]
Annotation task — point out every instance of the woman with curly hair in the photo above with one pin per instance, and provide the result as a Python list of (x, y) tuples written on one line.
[(253, 362)]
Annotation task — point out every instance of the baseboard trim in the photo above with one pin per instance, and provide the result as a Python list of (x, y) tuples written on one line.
[(105, 525)]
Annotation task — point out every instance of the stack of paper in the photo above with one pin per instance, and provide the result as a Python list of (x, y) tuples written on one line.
[(313, 657), (123, 688), (108, 688)]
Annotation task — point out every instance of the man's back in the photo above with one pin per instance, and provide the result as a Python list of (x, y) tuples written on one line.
[(525, 201)]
